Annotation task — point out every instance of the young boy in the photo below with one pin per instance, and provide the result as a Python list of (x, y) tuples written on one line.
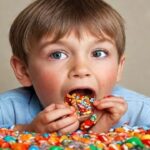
[(64, 46)]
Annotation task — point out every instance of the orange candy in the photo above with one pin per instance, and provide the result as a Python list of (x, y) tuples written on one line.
[(19, 146)]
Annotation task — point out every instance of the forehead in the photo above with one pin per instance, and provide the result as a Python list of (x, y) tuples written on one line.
[(78, 35)]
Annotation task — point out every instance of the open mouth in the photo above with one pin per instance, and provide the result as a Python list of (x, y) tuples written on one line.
[(83, 92), (82, 100)]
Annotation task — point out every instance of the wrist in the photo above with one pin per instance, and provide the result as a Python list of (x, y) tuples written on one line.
[(102, 126)]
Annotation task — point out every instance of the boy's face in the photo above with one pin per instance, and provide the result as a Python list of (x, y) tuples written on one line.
[(55, 69)]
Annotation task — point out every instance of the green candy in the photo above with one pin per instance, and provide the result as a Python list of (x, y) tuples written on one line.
[(9, 139), (93, 117), (93, 147), (135, 141), (56, 148)]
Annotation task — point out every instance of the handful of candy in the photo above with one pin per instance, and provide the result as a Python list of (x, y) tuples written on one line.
[(83, 105)]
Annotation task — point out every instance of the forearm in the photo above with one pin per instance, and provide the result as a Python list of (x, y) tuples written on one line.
[(101, 128), (23, 127), (103, 125)]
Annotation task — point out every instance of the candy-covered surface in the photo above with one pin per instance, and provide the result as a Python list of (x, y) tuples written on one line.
[(81, 102), (122, 138)]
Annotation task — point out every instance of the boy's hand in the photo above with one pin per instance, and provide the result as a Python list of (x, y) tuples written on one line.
[(56, 117), (109, 111)]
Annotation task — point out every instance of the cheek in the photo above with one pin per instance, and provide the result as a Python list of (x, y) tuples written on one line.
[(46, 79), (51, 80), (112, 76), (107, 79), (47, 85)]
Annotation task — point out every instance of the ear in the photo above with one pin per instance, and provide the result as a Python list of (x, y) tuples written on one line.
[(120, 68), (20, 70)]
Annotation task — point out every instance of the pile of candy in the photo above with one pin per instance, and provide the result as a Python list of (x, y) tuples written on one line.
[(83, 105), (122, 138)]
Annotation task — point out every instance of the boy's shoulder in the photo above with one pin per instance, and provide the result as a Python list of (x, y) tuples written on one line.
[(130, 95), (18, 106), (21, 94)]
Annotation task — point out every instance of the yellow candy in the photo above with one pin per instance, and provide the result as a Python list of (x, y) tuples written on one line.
[(119, 130), (63, 137), (100, 145), (115, 146), (129, 145), (145, 137)]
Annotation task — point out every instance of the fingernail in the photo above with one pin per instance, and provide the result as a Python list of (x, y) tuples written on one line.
[(75, 115), (116, 95), (72, 108), (96, 102), (108, 96)]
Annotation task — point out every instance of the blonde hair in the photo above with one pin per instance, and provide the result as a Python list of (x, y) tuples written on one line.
[(58, 17)]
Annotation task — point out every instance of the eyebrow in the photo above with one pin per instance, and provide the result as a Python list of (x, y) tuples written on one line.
[(105, 40), (100, 40), (45, 44)]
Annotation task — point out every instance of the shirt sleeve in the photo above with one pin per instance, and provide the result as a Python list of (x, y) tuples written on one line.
[(18, 106), (6, 114), (138, 110)]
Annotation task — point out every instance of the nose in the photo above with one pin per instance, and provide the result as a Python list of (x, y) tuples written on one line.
[(80, 70)]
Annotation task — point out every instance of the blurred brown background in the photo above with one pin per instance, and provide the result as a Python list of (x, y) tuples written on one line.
[(137, 16)]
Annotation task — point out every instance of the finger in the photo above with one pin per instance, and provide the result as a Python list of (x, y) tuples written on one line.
[(107, 104), (107, 100), (118, 109), (61, 123), (113, 99), (56, 114), (71, 128), (60, 106), (50, 108), (112, 106), (83, 118)]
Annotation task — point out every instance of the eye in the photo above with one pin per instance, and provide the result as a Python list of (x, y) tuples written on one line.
[(100, 53), (58, 55)]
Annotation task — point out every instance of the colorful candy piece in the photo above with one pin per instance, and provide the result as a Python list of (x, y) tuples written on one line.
[(10, 139), (19, 146), (33, 147), (55, 148)]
